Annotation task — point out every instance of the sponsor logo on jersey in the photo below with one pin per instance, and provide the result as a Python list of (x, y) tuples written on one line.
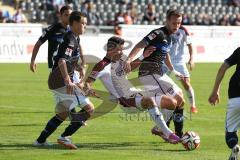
[(69, 51), (152, 36)]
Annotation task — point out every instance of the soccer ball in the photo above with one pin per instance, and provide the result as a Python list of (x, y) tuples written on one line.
[(190, 140)]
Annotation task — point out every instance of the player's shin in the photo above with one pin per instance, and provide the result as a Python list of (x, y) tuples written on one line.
[(51, 126), (77, 120), (157, 117), (178, 120), (231, 139)]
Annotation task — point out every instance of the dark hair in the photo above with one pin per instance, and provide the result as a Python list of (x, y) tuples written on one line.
[(174, 12), (76, 16), (114, 42), (65, 8)]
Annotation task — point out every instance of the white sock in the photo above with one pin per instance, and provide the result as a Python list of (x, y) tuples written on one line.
[(167, 114), (191, 96), (157, 117)]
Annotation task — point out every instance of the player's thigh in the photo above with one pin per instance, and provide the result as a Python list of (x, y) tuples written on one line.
[(160, 84), (182, 68), (233, 115), (66, 102), (168, 102)]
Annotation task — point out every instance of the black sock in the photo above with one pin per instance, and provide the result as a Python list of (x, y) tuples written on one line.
[(178, 119), (77, 121), (49, 129)]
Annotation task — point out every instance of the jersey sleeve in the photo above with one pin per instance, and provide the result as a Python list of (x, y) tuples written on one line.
[(234, 58), (152, 36), (98, 68), (47, 33), (187, 37)]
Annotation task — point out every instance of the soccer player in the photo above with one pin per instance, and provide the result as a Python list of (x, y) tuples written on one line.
[(130, 98), (178, 60), (151, 69), (233, 109), (68, 94), (54, 35)]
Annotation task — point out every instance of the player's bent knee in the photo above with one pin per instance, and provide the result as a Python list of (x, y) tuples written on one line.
[(89, 109), (147, 102), (168, 103), (231, 139), (180, 99)]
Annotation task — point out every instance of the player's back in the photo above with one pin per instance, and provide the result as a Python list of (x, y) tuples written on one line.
[(54, 35)]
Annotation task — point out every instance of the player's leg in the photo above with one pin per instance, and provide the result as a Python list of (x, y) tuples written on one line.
[(154, 111), (77, 119), (190, 93), (182, 68), (62, 113), (165, 85), (232, 125)]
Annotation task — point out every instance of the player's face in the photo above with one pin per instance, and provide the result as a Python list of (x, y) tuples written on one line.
[(117, 53), (65, 16), (80, 27), (173, 23)]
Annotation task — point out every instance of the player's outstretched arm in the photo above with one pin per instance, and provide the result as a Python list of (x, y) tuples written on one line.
[(93, 76), (33, 65), (140, 45), (134, 64), (214, 97)]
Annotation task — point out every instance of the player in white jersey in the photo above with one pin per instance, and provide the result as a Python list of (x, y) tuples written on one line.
[(130, 98), (177, 55)]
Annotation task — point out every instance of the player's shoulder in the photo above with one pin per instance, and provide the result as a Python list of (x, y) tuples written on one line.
[(161, 30), (183, 30), (55, 26)]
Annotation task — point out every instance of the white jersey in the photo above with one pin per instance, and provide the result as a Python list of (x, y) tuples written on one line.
[(179, 39), (119, 79)]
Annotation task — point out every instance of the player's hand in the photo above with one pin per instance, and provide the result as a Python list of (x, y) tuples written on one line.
[(177, 74), (149, 51), (70, 88), (214, 98), (70, 85), (127, 66), (80, 85), (191, 64), (89, 91), (33, 66)]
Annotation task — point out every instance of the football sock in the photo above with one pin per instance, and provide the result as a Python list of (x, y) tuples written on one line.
[(191, 96), (77, 121), (231, 139), (157, 117), (178, 119), (49, 129)]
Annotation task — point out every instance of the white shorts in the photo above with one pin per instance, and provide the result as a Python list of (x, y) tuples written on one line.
[(160, 84), (182, 68), (66, 102), (233, 115)]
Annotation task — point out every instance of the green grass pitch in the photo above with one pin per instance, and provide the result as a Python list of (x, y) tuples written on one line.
[(26, 105)]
